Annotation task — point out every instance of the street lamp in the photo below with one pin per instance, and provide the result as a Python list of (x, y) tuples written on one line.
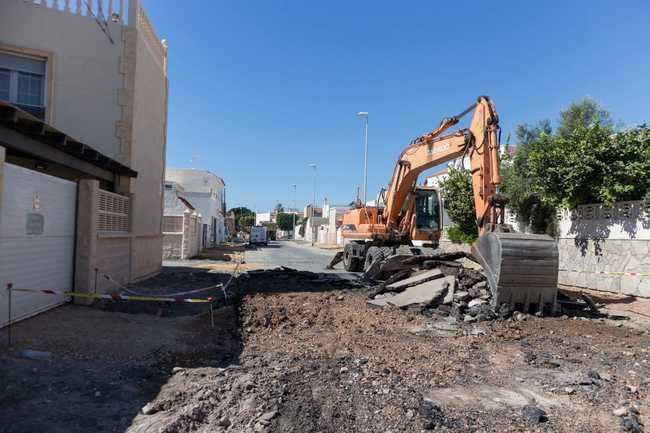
[(295, 209), (313, 206), (314, 189), (364, 115)]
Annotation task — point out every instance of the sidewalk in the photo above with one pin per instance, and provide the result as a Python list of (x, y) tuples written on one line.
[(308, 244)]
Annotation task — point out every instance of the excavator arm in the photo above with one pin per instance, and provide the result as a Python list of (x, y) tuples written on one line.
[(522, 269), (480, 142)]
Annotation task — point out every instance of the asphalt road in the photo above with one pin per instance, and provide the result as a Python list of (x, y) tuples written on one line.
[(291, 254)]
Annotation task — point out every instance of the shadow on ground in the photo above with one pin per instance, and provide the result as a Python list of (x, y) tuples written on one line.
[(107, 361)]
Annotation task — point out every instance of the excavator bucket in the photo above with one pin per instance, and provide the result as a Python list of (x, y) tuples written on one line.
[(521, 269)]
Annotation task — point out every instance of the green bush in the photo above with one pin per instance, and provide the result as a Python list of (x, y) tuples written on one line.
[(459, 203), (456, 235)]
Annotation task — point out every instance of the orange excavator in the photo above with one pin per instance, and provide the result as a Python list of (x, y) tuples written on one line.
[(521, 269)]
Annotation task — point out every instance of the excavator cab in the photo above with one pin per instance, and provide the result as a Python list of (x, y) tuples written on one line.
[(428, 217)]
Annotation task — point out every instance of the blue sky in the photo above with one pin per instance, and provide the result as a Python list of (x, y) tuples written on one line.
[(260, 89)]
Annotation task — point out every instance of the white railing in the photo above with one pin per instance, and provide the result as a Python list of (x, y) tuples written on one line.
[(113, 212), (103, 10)]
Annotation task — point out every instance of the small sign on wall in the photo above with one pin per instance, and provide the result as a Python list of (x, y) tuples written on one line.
[(35, 223)]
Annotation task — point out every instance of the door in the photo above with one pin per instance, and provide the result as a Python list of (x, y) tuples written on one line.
[(37, 226)]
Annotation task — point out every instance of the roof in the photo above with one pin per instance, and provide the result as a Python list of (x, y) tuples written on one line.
[(21, 121), (187, 203), (199, 170)]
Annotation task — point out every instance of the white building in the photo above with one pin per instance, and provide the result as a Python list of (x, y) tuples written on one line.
[(206, 192), (263, 217), (328, 232), (181, 225)]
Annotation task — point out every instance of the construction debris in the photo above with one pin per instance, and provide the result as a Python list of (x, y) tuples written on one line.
[(454, 284), (439, 284), (427, 293), (415, 280)]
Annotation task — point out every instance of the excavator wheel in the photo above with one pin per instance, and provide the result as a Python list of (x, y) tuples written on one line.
[(376, 254), (351, 263), (521, 269)]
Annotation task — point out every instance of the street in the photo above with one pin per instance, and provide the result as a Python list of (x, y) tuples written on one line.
[(302, 257)]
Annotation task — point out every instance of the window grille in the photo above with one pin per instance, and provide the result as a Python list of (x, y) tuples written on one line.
[(113, 212)]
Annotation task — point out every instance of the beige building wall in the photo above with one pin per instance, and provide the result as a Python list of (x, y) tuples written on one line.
[(83, 73), (109, 91), (148, 148)]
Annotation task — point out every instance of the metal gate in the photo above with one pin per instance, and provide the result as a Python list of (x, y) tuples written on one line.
[(37, 227)]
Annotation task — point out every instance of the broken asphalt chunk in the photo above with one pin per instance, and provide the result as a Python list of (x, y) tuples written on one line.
[(427, 293)]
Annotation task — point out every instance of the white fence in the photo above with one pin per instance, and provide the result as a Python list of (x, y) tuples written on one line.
[(624, 220), (103, 10)]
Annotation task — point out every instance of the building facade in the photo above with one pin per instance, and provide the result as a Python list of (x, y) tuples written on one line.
[(206, 192), (83, 119), (182, 226)]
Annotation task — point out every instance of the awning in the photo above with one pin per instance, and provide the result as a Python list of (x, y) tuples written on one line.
[(14, 119)]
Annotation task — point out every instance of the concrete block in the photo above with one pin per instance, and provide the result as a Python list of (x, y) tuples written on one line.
[(644, 287), (630, 284), (608, 283), (415, 279), (425, 293)]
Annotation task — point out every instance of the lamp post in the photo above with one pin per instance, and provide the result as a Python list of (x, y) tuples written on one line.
[(314, 190), (364, 115), (294, 211), (313, 206)]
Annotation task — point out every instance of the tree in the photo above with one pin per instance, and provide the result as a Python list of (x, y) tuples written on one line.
[(244, 217), (279, 208), (517, 184), (585, 113), (592, 165), (459, 202), (285, 221), (245, 222), (563, 168)]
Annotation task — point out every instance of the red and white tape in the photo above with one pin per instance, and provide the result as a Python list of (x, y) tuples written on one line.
[(117, 296)]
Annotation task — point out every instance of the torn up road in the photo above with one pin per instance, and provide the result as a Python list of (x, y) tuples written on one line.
[(296, 351), (318, 358)]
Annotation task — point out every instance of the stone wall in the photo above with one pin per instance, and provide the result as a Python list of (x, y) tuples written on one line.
[(606, 248), (172, 245), (186, 243), (606, 264)]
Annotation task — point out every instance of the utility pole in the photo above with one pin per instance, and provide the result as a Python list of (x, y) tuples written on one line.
[(364, 115)]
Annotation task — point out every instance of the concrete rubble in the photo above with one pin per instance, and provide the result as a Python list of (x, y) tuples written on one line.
[(428, 292), (441, 284), (452, 285)]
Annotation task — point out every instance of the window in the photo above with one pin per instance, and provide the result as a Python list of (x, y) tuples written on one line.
[(4, 84), (22, 82), (427, 210)]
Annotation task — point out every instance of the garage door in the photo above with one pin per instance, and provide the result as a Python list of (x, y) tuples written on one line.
[(37, 225)]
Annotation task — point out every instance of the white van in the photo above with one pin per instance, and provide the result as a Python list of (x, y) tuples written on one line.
[(258, 236)]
